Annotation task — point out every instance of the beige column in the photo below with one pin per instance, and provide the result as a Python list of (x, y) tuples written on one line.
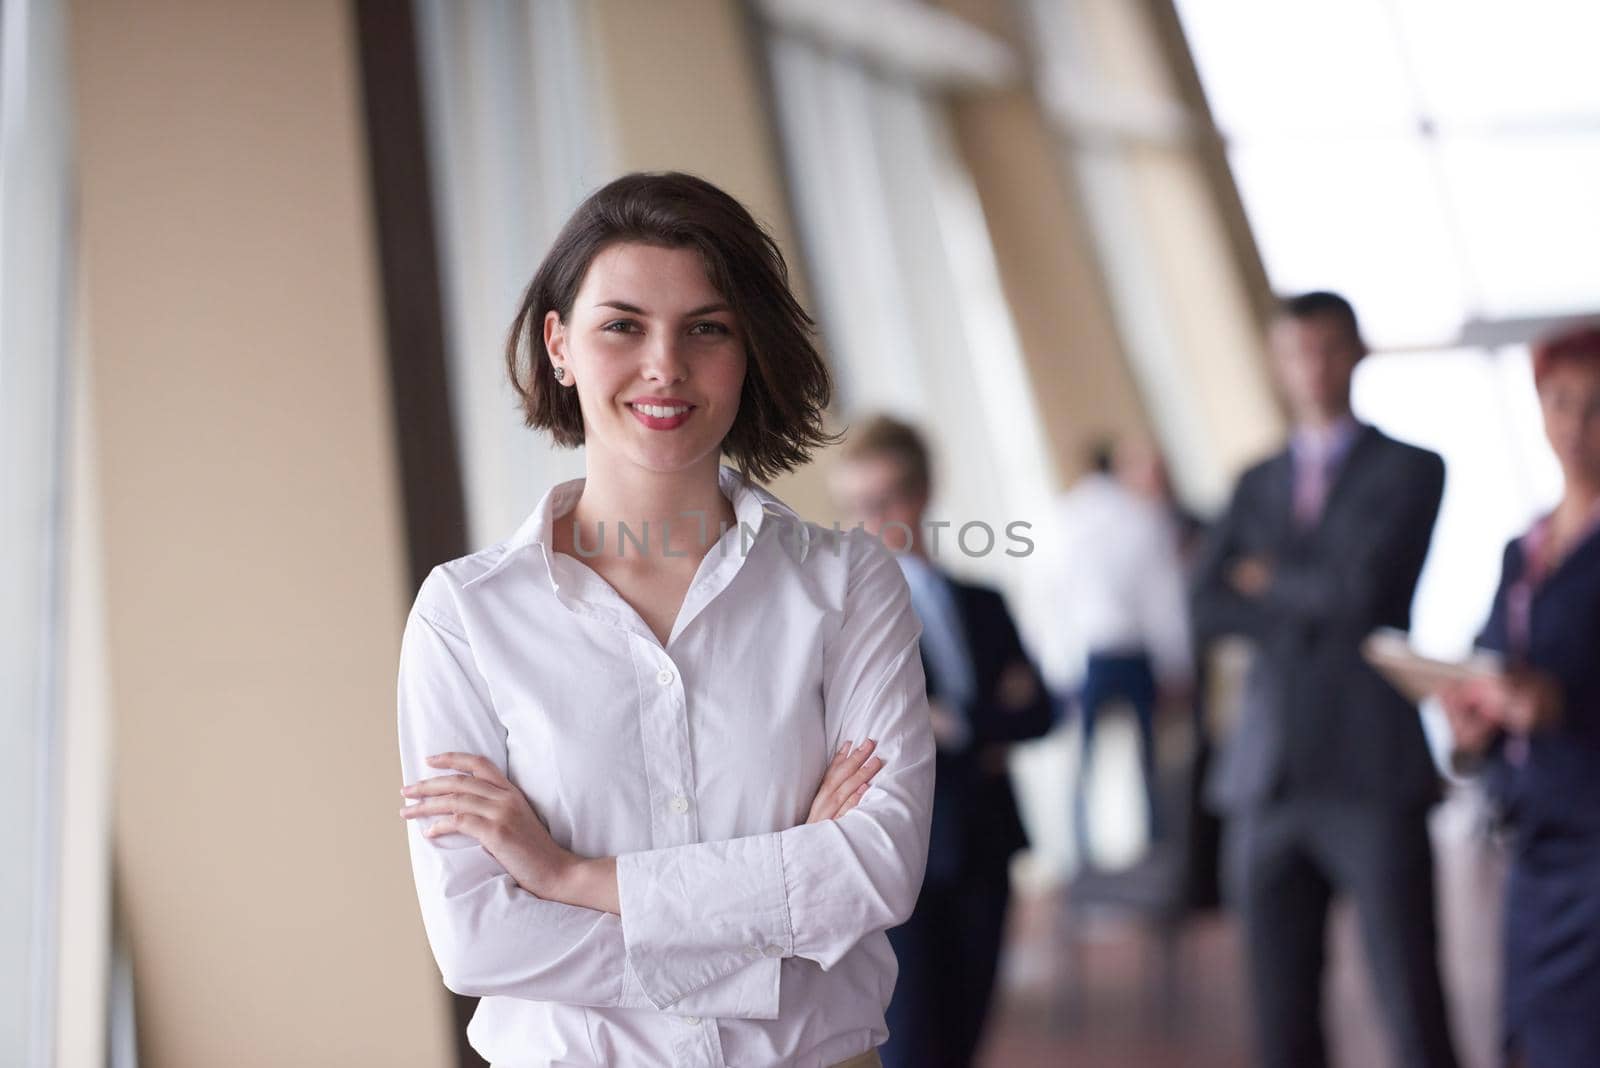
[(1046, 259), (1204, 283), (252, 560), (1209, 274)]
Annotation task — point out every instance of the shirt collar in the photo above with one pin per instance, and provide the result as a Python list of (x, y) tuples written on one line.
[(926, 578), (751, 503), (914, 567), (1328, 444), (1535, 544)]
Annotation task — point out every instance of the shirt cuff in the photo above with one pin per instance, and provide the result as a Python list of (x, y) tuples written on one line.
[(633, 996), (694, 914)]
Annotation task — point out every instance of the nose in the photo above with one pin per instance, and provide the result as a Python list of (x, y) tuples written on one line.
[(664, 360)]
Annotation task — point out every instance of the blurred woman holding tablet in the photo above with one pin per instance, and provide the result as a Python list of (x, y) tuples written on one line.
[(1535, 734)]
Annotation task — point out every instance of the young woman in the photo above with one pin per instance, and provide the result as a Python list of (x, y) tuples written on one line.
[(685, 741), (1537, 735)]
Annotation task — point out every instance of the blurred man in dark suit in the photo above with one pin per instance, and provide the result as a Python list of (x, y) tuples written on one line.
[(984, 693), (1327, 780)]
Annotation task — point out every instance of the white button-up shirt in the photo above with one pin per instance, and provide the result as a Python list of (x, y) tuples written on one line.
[(747, 937), (1120, 579)]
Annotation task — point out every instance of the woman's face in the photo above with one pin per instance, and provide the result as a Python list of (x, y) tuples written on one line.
[(1570, 398), (656, 355)]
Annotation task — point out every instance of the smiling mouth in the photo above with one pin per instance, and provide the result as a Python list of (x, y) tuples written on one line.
[(662, 411), (661, 417)]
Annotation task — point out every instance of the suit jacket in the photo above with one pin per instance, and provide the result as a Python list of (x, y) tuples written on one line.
[(975, 818), (1551, 795), (1555, 791), (1316, 720)]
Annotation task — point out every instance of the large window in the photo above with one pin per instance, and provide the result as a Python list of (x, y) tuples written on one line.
[(34, 391), (517, 139), (1182, 301), (1436, 161), (908, 291)]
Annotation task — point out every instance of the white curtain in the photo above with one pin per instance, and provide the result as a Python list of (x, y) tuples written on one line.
[(909, 294), (517, 136), (35, 272)]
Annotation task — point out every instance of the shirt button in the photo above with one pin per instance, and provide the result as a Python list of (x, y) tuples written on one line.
[(773, 951), (679, 804), (664, 677), (691, 1021)]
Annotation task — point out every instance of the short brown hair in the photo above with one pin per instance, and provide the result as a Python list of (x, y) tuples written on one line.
[(786, 384), (884, 435), (1324, 304)]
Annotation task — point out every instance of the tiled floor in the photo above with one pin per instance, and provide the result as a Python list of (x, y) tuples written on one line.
[(1114, 1019), (1116, 1022)]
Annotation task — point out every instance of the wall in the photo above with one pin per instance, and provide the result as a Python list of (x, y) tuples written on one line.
[(1046, 257), (252, 562)]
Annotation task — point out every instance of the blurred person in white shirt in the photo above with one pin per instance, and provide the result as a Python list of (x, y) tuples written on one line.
[(1124, 620)]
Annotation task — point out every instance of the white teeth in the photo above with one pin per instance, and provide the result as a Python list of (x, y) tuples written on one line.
[(659, 412)]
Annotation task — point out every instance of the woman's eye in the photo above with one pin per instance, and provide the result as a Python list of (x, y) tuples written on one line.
[(619, 326), (709, 327)]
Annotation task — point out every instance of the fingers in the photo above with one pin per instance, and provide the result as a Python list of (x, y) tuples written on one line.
[(452, 804), (818, 811), (472, 764), (450, 784), (858, 770), (1457, 703), (1473, 722), (463, 804), (857, 783), (853, 800), (844, 765), (467, 823), (847, 765), (838, 769), (464, 801), (836, 804), (840, 782)]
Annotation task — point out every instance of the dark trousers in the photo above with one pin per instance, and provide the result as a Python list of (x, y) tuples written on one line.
[(1284, 862), (949, 952), (1111, 678)]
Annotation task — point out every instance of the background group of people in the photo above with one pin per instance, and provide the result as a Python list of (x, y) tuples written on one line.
[(1326, 781), (643, 888)]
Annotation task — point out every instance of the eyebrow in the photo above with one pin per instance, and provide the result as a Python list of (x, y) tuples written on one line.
[(634, 309)]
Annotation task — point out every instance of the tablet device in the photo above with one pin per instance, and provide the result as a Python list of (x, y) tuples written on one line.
[(1389, 651)]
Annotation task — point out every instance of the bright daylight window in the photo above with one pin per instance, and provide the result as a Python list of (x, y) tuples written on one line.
[(1436, 161)]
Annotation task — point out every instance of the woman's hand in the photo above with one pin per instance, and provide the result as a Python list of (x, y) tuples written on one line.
[(485, 805), (1471, 707), (845, 782), (1521, 703), (1532, 702)]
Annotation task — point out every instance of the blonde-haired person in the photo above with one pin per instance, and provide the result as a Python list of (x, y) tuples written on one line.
[(669, 744), (984, 695)]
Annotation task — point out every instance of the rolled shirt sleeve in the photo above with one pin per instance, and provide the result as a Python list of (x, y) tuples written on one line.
[(693, 914)]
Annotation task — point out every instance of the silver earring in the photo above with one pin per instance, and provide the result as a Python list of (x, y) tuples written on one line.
[(561, 374)]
